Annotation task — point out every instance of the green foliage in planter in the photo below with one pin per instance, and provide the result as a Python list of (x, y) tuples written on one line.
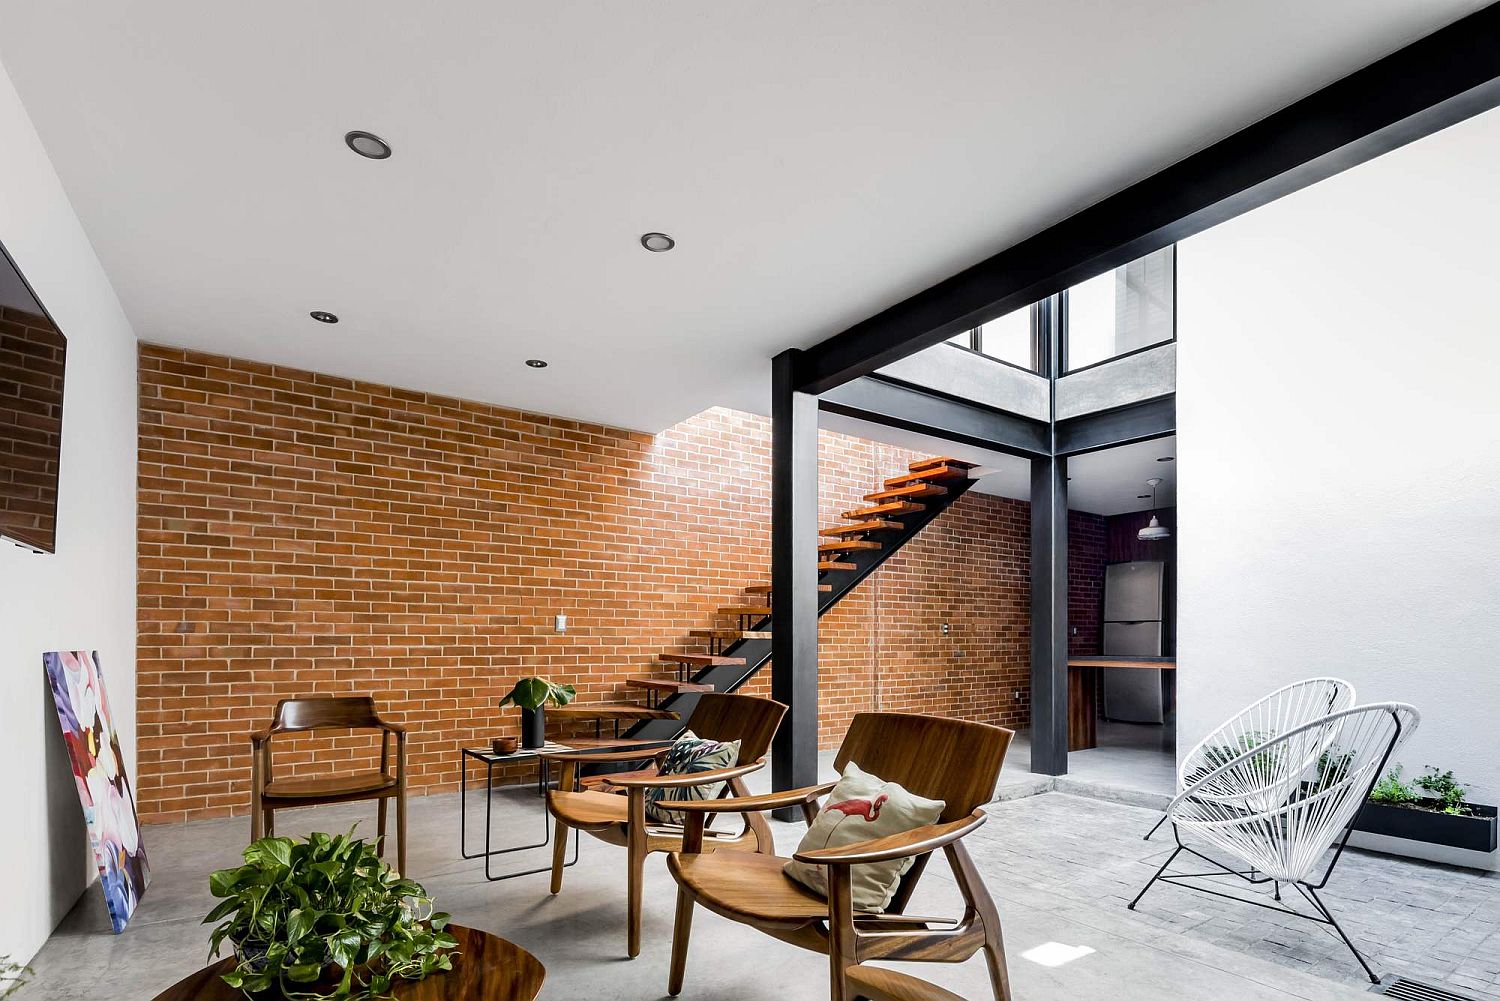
[(12, 976), (1444, 788), (531, 693), (297, 910), (1392, 791)]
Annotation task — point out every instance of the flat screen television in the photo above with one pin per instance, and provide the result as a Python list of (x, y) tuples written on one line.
[(32, 356)]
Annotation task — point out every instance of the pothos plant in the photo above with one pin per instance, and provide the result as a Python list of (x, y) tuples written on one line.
[(324, 919), (532, 693)]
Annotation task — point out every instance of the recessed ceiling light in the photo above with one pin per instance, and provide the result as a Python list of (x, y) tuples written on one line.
[(323, 316), (367, 144), (535, 363), (1167, 458), (658, 243)]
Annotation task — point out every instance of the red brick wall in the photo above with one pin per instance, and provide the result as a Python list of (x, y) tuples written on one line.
[(31, 400), (306, 534), (1088, 536)]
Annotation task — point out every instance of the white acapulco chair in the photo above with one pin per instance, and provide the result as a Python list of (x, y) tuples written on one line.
[(1284, 709), (1278, 808)]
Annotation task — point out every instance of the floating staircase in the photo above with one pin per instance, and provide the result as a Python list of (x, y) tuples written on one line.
[(739, 644)]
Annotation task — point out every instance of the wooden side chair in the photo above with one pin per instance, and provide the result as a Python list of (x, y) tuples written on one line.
[(930, 756), (269, 794), (621, 819)]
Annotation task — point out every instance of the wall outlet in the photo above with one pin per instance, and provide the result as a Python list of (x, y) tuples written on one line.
[(945, 629), (562, 623)]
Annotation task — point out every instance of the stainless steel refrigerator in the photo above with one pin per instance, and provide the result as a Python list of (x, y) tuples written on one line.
[(1134, 613)]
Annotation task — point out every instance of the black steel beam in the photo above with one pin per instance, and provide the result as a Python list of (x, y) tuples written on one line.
[(1446, 77), (1049, 616), (794, 578), (896, 404), (1124, 426)]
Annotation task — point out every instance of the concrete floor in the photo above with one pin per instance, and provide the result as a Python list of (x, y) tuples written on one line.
[(579, 934), (1133, 763)]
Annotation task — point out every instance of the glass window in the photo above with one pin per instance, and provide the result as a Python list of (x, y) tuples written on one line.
[(1122, 310), (1008, 339)]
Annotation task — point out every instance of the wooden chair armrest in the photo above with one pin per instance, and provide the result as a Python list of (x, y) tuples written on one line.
[(753, 804), (260, 736), (395, 728), (689, 779), (608, 756), (908, 843)]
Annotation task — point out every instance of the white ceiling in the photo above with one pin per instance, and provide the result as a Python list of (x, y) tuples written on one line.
[(1107, 482), (815, 161)]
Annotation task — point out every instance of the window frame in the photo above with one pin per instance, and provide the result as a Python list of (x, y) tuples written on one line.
[(1063, 331)]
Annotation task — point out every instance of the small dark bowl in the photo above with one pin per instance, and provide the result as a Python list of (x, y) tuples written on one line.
[(504, 745)]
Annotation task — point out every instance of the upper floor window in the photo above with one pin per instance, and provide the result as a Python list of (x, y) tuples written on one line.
[(1120, 311), (1009, 338)]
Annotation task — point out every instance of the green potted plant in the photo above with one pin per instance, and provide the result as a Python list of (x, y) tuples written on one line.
[(1432, 808), (324, 918), (532, 695)]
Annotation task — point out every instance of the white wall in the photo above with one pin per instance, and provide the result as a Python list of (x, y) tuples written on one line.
[(1339, 436), (84, 596)]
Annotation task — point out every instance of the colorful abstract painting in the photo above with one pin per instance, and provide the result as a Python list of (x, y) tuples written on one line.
[(103, 787)]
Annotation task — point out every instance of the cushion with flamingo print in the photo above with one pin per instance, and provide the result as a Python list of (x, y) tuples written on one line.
[(690, 754), (863, 807)]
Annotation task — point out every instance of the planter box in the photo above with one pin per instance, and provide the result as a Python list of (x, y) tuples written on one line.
[(1474, 833)]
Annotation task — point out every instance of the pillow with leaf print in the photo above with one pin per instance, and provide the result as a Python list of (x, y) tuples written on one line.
[(863, 807), (690, 754)]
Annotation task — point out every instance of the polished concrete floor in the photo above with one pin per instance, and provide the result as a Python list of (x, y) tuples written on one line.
[(1040, 856)]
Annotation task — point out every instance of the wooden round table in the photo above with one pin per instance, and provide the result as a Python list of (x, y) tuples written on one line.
[(488, 969)]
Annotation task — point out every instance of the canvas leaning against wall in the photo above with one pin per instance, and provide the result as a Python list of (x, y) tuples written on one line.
[(103, 787)]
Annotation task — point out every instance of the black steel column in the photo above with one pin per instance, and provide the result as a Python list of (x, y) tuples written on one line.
[(1049, 616), (794, 579)]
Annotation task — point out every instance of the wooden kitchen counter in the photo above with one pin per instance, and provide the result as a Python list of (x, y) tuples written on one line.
[(1084, 692), (1160, 663)]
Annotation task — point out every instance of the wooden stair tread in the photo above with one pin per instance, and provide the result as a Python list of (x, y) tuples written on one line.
[(671, 687), (848, 545), (728, 634), (860, 527), (939, 460), (608, 710), (744, 610), (766, 588), (699, 659), (836, 565), (894, 507), (912, 490), (926, 475)]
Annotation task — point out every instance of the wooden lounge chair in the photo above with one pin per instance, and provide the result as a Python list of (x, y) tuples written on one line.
[(269, 794), (952, 760), (621, 819)]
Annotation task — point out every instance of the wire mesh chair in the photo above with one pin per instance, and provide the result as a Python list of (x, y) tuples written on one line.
[(1278, 807), (1284, 709)]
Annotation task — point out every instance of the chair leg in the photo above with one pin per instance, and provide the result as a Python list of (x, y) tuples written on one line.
[(401, 832), (270, 825), (1177, 851), (559, 854), (257, 820), (843, 951), (635, 843), (380, 805), (977, 897), (682, 930)]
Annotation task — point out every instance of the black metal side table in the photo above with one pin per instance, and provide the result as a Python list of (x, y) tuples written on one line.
[(543, 780)]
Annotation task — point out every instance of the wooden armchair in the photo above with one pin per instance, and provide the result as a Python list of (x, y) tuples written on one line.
[(952, 760), (621, 819), (268, 794)]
